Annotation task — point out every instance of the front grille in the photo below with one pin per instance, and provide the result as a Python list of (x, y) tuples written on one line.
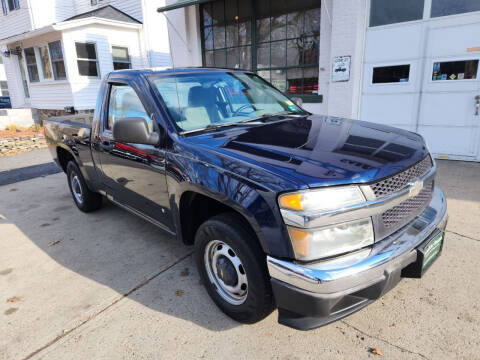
[(398, 181), (406, 211)]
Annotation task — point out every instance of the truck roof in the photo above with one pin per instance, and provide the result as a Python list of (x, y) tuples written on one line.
[(162, 70)]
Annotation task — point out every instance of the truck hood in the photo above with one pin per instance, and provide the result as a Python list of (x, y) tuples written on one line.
[(317, 151)]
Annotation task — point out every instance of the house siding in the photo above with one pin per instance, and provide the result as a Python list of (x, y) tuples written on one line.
[(156, 35), (85, 89), (46, 94), (46, 12), (131, 7), (15, 22)]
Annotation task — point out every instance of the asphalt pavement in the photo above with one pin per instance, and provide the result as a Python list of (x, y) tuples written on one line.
[(108, 285), (25, 166)]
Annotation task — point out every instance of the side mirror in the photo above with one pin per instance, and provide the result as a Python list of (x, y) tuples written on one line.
[(134, 130), (297, 101)]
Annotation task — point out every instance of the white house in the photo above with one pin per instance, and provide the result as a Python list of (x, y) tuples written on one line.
[(55, 52), (3, 80), (411, 63)]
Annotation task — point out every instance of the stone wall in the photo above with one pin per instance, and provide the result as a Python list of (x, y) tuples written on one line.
[(21, 144)]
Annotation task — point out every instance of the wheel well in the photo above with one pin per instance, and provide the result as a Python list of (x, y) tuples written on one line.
[(196, 208), (64, 157)]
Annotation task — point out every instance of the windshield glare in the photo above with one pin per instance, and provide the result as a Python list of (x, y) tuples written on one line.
[(198, 100)]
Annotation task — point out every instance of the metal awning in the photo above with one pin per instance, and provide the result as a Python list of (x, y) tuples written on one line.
[(181, 4)]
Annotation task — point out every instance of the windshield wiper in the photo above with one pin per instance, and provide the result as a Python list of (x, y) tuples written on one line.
[(269, 115), (220, 125)]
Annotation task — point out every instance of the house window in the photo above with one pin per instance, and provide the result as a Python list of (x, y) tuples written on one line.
[(87, 59), (13, 5), (121, 59), (56, 56), (384, 12), (4, 7), (284, 47), (31, 62), (45, 58), (391, 74), (4, 88)]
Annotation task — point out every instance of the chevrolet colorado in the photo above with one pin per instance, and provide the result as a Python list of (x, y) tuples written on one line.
[(315, 215)]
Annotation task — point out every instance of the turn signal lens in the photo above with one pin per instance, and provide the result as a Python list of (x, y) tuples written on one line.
[(291, 201), (300, 241), (316, 200)]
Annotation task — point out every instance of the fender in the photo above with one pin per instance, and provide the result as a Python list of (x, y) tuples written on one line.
[(255, 203)]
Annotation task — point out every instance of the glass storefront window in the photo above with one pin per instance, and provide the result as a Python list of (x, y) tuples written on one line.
[(285, 47), (384, 12), (453, 7), (226, 34)]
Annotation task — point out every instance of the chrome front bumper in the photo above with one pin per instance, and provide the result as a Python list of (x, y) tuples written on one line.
[(353, 272)]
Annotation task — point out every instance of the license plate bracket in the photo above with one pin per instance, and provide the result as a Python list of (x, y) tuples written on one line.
[(427, 253)]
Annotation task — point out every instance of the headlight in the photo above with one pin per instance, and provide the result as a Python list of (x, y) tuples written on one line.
[(312, 201), (311, 244)]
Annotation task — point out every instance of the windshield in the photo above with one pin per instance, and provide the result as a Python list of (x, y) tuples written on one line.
[(4, 100), (198, 100)]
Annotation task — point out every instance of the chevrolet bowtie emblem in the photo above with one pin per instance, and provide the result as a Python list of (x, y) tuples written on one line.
[(415, 188)]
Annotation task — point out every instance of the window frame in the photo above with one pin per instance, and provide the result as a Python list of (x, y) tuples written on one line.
[(54, 72), (129, 62), (98, 76), (254, 45), (28, 65)]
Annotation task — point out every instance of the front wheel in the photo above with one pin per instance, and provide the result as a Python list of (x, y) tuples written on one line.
[(233, 268)]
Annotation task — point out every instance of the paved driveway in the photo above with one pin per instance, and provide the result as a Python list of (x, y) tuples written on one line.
[(109, 285)]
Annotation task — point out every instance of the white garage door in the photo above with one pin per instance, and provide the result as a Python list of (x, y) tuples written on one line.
[(422, 72)]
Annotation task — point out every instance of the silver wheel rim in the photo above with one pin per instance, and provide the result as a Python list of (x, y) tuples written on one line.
[(217, 251), (77, 189)]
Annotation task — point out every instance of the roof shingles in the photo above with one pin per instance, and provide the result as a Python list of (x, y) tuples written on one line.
[(106, 12)]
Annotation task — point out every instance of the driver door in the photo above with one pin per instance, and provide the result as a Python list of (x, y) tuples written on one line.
[(134, 174)]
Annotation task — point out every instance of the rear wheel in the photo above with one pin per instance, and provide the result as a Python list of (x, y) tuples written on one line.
[(233, 268), (85, 199)]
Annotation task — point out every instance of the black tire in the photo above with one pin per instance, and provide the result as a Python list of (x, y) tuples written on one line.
[(89, 200), (232, 230)]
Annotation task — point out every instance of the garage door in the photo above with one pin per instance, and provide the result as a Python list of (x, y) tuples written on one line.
[(422, 72)]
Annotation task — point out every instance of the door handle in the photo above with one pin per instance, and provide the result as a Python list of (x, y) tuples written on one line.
[(477, 104)]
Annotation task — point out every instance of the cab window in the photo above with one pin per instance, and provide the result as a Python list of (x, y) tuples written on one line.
[(124, 102)]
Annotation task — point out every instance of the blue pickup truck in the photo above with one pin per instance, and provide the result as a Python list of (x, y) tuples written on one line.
[(317, 216)]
